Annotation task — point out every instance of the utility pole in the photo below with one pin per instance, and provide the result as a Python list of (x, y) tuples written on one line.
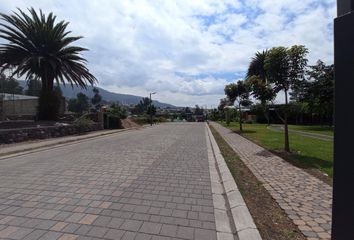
[(343, 175), (150, 108)]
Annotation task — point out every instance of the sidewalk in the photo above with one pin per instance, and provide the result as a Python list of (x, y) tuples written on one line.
[(6, 149), (306, 199)]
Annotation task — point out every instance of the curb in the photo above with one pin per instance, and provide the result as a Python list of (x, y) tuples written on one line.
[(242, 221)]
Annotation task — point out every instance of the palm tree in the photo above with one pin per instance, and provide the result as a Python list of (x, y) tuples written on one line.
[(256, 67), (39, 47), (257, 79)]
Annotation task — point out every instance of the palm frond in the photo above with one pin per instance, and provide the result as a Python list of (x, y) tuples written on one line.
[(40, 47)]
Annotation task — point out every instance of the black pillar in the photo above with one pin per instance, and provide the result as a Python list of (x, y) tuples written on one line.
[(343, 180)]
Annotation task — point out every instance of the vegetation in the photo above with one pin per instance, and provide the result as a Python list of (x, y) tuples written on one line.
[(306, 152), (83, 124), (281, 69), (96, 100), (239, 92), (9, 85), (144, 107), (39, 47), (285, 69), (117, 111), (80, 104)]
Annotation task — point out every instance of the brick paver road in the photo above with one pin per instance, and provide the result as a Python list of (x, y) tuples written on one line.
[(306, 199), (146, 184)]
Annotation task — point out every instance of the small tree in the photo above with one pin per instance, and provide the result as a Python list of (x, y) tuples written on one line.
[(285, 68), (116, 110), (239, 92), (261, 91)]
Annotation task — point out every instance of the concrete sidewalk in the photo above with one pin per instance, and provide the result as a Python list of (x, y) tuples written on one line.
[(306, 199)]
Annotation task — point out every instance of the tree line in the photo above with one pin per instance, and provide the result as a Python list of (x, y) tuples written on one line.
[(307, 89)]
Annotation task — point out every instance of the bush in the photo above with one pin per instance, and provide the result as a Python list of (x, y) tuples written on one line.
[(83, 124)]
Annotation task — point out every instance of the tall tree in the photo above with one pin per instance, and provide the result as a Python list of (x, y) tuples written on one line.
[(239, 92), (285, 67), (319, 93), (39, 47), (80, 104), (96, 99), (256, 66), (257, 80), (198, 110)]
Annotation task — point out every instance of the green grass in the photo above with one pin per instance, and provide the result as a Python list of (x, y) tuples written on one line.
[(325, 130), (306, 152)]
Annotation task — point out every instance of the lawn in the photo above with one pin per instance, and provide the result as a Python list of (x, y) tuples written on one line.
[(325, 130), (307, 152)]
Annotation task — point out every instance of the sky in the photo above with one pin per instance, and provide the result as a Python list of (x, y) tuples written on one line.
[(186, 50)]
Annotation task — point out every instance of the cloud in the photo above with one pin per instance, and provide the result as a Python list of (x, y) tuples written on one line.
[(187, 50)]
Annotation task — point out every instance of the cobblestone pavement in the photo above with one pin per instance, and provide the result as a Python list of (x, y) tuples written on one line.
[(306, 199), (149, 184)]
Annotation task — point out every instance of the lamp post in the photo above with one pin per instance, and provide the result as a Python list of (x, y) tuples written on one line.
[(150, 108), (343, 173)]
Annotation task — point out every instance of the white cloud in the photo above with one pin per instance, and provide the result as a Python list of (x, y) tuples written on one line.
[(139, 46)]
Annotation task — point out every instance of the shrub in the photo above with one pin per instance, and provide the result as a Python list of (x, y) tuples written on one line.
[(83, 124)]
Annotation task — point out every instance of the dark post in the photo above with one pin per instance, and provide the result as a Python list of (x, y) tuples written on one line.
[(343, 179), (150, 111), (150, 108)]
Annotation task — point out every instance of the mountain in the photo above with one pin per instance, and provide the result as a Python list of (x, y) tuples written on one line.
[(69, 92)]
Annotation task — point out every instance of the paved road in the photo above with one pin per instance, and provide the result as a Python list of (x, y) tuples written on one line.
[(145, 184)]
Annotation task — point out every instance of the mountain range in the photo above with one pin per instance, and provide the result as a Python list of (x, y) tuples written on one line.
[(126, 99)]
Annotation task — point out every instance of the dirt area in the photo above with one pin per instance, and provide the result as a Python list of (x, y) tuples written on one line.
[(128, 123), (271, 221)]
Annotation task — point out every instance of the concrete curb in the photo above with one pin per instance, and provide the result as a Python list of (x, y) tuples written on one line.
[(244, 226), (61, 142)]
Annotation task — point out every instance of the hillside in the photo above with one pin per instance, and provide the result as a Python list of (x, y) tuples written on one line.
[(69, 92)]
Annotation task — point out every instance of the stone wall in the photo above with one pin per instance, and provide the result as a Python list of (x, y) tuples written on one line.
[(24, 134)]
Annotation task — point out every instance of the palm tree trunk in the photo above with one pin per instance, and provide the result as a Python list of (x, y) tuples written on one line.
[(48, 107), (286, 130)]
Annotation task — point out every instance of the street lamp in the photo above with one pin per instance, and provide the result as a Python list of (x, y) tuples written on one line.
[(151, 109)]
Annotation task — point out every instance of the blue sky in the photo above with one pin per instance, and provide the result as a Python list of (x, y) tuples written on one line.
[(187, 50)]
